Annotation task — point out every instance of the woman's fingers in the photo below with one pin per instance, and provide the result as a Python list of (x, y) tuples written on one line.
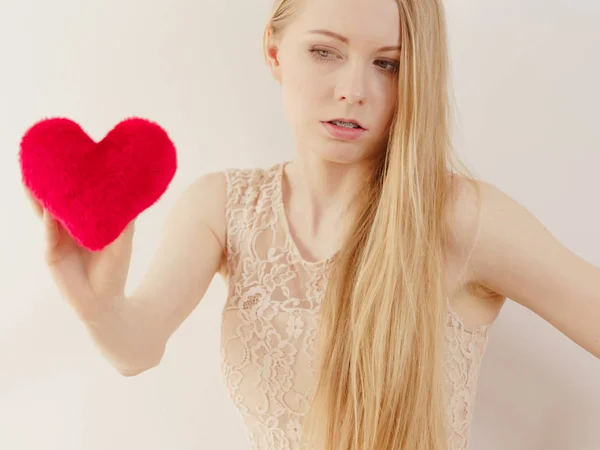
[(39, 211), (51, 230)]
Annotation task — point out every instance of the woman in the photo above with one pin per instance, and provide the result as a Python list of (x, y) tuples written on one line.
[(364, 275)]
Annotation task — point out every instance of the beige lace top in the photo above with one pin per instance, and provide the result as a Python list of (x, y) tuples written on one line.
[(268, 332)]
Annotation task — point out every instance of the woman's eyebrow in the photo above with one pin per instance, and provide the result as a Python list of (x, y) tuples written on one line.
[(345, 40)]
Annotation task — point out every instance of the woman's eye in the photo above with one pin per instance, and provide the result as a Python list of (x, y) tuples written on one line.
[(328, 56), (388, 65), (321, 53)]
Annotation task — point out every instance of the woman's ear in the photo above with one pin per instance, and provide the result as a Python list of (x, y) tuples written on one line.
[(272, 56)]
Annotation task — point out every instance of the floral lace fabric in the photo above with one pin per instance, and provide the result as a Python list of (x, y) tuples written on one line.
[(268, 334)]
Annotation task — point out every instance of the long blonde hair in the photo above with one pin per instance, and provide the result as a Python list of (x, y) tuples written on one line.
[(380, 368)]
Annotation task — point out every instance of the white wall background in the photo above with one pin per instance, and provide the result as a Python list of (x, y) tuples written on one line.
[(526, 75)]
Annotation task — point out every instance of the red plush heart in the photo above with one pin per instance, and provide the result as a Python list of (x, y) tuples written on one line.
[(96, 189)]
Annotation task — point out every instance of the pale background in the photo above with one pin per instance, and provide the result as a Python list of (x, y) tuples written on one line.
[(526, 76)]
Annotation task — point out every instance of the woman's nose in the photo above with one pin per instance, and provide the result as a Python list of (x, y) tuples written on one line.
[(351, 85)]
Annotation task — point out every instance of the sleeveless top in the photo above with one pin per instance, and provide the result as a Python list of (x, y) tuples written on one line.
[(268, 330)]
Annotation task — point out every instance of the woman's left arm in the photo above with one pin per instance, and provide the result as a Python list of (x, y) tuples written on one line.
[(517, 257)]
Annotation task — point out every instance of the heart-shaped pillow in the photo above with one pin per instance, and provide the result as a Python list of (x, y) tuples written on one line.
[(96, 189)]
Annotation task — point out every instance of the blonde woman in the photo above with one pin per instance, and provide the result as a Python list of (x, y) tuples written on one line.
[(363, 275)]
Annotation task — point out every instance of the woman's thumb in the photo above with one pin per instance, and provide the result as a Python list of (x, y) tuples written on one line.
[(124, 241), (51, 230), (39, 211)]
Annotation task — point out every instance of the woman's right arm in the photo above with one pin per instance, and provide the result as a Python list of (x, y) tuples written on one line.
[(132, 334)]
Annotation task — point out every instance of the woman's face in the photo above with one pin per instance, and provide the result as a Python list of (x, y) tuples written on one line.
[(338, 59)]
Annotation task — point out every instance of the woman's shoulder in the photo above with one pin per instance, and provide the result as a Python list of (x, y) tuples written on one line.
[(204, 202), (209, 196), (473, 301)]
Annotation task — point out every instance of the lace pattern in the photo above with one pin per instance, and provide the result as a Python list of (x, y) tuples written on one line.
[(269, 322)]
